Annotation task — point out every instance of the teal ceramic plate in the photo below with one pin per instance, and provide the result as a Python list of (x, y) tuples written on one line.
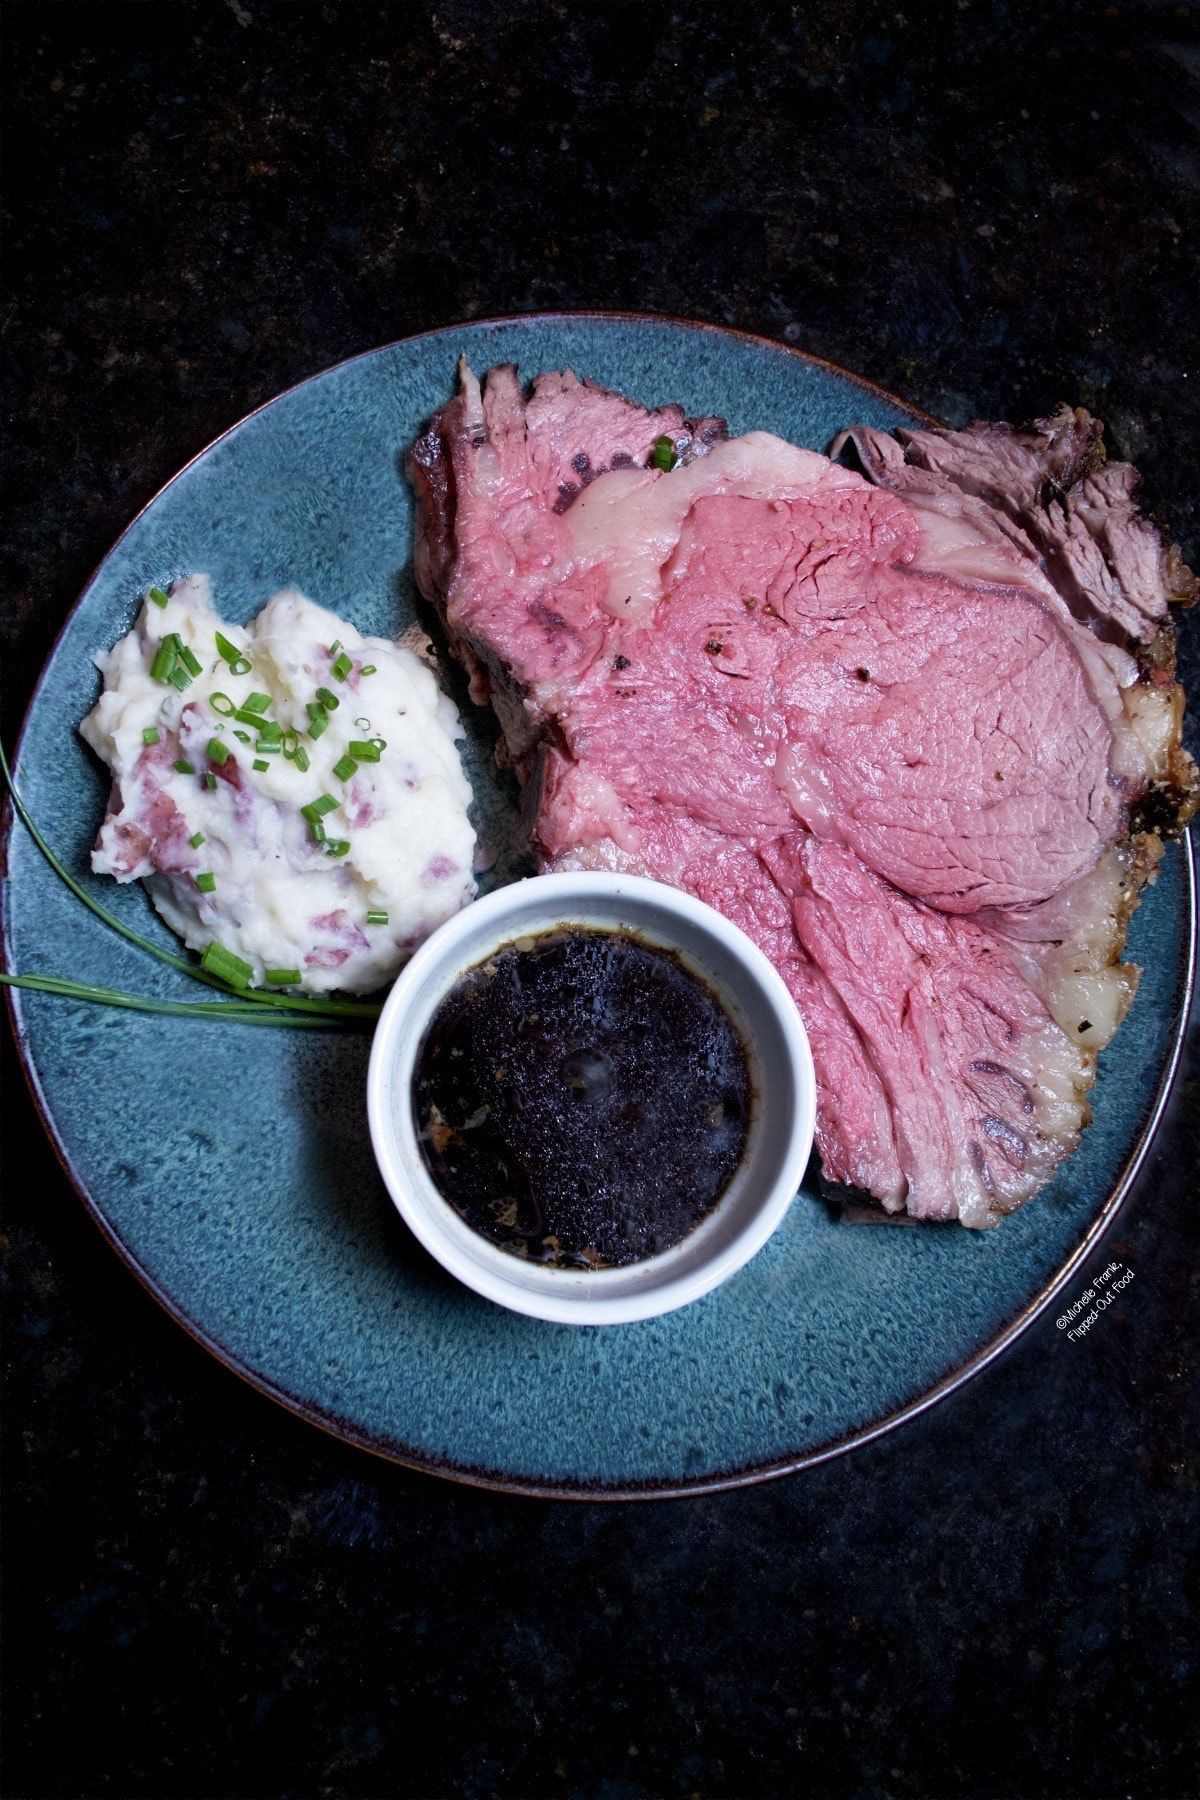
[(230, 1167)]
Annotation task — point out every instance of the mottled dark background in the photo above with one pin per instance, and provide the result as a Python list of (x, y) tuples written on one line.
[(985, 207)]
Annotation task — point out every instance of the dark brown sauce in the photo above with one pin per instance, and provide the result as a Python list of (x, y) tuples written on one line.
[(582, 1098)]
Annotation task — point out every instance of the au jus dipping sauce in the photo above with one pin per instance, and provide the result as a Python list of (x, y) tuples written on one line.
[(582, 1098)]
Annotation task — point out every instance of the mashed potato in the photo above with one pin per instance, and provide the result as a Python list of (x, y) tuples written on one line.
[(289, 790)]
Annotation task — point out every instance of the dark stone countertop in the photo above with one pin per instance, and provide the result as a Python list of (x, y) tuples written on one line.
[(985, 207)]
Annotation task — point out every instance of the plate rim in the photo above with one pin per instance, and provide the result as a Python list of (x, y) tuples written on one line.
[(344, 1430)]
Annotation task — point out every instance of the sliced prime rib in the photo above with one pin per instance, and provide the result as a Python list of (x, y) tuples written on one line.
[(1050, 498), (905, 728)]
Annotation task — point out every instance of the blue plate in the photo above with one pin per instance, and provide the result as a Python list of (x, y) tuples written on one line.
[(230, 1167)]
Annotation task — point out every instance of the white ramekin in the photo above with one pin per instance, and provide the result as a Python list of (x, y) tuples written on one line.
[(781, 1075)]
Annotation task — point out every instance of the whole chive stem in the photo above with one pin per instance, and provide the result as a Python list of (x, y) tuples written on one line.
[(232, 1012)]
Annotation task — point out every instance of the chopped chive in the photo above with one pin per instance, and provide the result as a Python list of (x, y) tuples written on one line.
[(335, 646), (363, 724), (270, 732), (314, 812), (379, 743), (260, 764), (243, 737), (181, 766), (328, 701), (344, 767), (197, 838), (265, 749), (377, 918), (301, 759), (221, 703), (367, 669), (223, 963), (363, 751), (291, 743), (238, 664), (256, 702), (247, 717), (210, 780), (282, 977), (664, 456), (206, 882), (179, 678), (156, 594), (191, 661), (318, 720), (151, 735), (337, 847), (317, 809), (268, 1009), (217, 752), (342, 666), (164, 661)]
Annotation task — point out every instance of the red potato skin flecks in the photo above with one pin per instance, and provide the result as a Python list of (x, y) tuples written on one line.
[(852, 715)]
